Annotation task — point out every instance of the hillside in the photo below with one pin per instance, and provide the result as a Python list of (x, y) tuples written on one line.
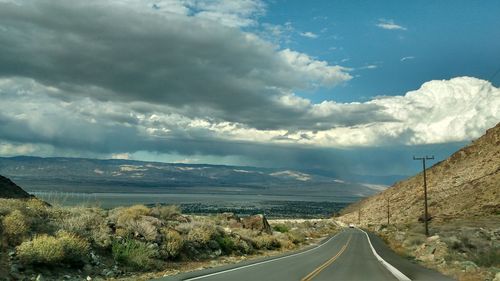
[(8, 189), (467, 184)]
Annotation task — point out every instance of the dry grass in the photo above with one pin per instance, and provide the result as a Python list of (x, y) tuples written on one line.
[(50, 250), (136, 238)]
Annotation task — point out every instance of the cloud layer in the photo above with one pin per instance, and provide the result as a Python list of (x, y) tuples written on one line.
[(186, 78)]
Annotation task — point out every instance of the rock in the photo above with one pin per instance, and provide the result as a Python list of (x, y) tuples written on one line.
[(400, 236), (257, 222), (39, 278), (94, 258), (433, 238), (469, 266), (497, 277), (88, 278), (67, 277)]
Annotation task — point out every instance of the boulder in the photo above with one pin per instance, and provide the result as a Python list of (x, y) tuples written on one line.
[(257, 222)]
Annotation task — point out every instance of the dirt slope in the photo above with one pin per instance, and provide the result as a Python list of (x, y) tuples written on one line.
[(8, 189), (465, 185)]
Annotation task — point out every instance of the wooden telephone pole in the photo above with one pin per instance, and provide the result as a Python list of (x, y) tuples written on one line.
[(426, 216), (388, 211)]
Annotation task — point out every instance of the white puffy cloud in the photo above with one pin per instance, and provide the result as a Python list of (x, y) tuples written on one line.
[(441, 111), (389, 25), (309, 34)]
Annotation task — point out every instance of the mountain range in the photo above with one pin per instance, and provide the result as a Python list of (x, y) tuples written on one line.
[(94, 175)]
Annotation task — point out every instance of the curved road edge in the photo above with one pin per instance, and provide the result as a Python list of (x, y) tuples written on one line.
[(412, 269), (398, 274), (198, 274)]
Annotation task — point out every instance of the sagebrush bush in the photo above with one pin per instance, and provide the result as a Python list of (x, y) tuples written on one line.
[(87, 222), (75, 248), (201, 232), (136, 221), (296, 236), (51, 250), (16, 226), (9, 205), (266, 241), (135, 254), (172, 243), (167, 212)]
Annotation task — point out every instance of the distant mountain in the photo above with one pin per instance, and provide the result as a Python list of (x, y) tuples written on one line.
[(8, 189), (92, 175), (467, 184)]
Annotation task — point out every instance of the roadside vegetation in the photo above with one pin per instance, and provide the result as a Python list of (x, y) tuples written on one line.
[(76, 242), (466, 249)]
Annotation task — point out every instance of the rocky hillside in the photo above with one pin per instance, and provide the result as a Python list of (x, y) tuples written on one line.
[(465, 185), (8, 189)]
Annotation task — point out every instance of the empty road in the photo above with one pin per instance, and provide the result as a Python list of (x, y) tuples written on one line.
[(346, 256)]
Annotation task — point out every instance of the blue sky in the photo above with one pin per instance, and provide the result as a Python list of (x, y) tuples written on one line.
[(440, 40), (344, 86)]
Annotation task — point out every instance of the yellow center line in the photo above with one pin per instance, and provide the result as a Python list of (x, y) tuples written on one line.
[(315, 272)]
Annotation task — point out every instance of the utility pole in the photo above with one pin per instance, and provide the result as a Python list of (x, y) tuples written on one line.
[(388, 211), (426, 217)]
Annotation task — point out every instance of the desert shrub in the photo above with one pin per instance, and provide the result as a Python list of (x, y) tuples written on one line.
[(281, 228), (201, 232), (135, 221), (131, 213), (488, 257), (243, 246), (87, 222), (63, 248), (37, 208), (266, 242), (75, 248), (9, 205), (172, 243), (135, 254), (16, 226), (166, 213), (296, 237), (286, 244), (226, 244)]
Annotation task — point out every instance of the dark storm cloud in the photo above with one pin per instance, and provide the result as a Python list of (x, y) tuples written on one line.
[(113, 52)]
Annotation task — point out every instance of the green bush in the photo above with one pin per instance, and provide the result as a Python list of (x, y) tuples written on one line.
[(44, 249), (134, 254), (226, 244), (488, 258), (281, 228)]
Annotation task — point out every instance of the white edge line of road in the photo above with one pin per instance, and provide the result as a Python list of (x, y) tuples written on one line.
[(398, 274), (262, 262)]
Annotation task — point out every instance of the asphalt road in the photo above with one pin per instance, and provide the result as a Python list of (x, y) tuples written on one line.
[(346, 256)]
